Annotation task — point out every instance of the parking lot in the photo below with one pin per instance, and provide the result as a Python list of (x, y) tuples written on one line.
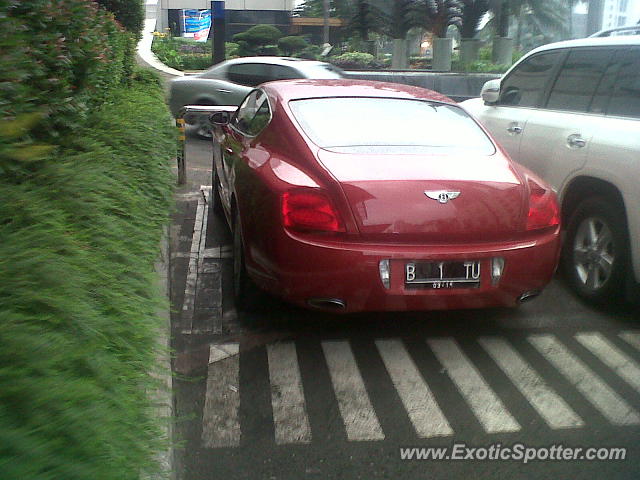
[(290, 393)]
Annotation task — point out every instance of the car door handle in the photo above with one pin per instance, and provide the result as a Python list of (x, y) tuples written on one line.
[(576, 141), (222, 90), (514, 129)]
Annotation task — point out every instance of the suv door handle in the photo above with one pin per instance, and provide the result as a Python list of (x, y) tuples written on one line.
[(514, 129), (576, 141)]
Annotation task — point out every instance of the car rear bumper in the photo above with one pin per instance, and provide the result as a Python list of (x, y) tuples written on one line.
[(304, 270)]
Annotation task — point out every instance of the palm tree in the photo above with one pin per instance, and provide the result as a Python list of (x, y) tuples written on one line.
[(365, 19), (397, 18), (473, 11), (542, 16)]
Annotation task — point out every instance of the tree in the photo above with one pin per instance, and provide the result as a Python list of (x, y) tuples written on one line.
[(292, 45), (258, 40), (364, 20), (397, 18), (442, 14), (130, 13), (472, 13)]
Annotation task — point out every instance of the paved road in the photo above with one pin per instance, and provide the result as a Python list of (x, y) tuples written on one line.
[(292, 394)]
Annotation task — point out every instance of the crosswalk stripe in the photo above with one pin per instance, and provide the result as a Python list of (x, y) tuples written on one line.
[(601, 396), (612, 357), (287, 396), (551, 407), (632, 338), (421, 406), (485, 404), (220, 422), (355, 407)]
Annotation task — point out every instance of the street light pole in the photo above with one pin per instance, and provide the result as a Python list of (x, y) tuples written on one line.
[(325, 30), (218, 25)]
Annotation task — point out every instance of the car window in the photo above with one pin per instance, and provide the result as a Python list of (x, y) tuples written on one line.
[(253, 114), (525, 85), (249, 74), (579, 79), (381, 125), (281, 72), (625, 100)]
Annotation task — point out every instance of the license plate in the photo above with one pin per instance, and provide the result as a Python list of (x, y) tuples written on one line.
[(465, 274)]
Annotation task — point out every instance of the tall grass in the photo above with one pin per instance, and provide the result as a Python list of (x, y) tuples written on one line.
[(78, 296)]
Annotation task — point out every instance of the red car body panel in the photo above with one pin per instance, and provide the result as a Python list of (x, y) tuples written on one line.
[(384, 210)]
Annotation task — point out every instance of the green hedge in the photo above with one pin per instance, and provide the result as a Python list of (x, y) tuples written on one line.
[(85, 188), (78, 300)]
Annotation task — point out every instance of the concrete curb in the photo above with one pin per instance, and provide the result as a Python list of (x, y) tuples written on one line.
[(143, 53)]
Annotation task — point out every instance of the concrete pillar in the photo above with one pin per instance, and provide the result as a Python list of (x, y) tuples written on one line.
[(469, 50), (502, 51), (442, 48), (399, 58)]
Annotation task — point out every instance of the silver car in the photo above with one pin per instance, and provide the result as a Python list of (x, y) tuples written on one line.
[(229, 82)]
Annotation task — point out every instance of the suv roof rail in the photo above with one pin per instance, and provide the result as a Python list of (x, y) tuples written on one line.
[(632, 29)]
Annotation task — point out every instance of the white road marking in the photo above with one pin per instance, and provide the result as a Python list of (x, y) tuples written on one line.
[(220, 421), (188, 305), (601, 396), (421, 406), (485, 404), (632, 338), (287, 395), (612, 357), (357, 412), (551, 407)]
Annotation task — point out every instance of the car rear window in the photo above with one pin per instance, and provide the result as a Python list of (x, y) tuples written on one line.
[(389, 125)]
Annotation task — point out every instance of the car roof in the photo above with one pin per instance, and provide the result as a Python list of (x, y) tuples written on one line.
[(620, 40), (273, 61), (306, 88)]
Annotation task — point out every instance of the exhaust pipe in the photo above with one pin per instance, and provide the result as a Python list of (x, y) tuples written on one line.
[(327, 303), (526, 296)]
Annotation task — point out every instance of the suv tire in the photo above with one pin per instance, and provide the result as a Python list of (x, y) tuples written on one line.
[(595, 250)]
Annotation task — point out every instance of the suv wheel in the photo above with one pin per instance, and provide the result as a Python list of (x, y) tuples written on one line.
[(595, 250)]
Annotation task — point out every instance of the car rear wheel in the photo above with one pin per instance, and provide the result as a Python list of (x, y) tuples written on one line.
[(595, 250), (216, 203), (246, 293)]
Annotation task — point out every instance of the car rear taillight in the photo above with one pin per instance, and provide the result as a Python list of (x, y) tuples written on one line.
[(543, 207), (310, 210)]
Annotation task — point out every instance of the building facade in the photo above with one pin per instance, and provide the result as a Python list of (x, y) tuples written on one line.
[(240, 14)]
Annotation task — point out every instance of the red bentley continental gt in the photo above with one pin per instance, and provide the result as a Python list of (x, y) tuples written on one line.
[(349, 195)]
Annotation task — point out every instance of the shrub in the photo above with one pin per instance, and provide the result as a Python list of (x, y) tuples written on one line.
[(258, 40), (292, 45), (354, 60), (312, 52), (130, 13), (58, 60), (77, 297)]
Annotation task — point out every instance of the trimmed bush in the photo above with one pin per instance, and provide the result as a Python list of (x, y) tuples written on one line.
[(258, 40), (77, 299), (292, 45), (354, 60)]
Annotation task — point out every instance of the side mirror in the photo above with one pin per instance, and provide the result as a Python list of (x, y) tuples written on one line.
[(220, 118), (491, 91)]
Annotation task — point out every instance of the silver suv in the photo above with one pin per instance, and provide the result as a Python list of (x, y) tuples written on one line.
[(570, 111)]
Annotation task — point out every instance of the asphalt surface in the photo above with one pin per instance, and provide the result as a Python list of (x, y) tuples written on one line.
[(286, 393)]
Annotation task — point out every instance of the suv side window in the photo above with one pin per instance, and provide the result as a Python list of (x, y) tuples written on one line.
[(249, 74), (579, 78), (625, 100), (526, 84), (253, 115)]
